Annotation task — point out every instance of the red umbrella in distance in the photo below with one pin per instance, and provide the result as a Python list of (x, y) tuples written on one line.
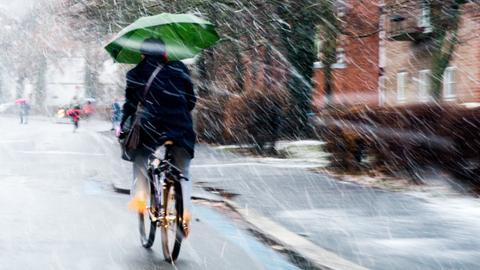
[(20, 101)]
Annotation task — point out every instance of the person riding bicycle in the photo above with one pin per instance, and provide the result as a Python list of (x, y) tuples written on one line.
[(166, 113), (74, 113)]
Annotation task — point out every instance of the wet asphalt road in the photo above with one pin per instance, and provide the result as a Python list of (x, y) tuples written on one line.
[(377, 229), (58, 210)]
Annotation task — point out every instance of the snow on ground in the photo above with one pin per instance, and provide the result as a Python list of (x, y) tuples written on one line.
[(298, 154)]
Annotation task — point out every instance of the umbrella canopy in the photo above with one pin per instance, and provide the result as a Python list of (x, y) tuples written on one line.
[(184, 35)]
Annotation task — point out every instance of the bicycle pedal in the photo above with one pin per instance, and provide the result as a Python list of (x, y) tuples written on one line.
[(185, 229), (153, 217)]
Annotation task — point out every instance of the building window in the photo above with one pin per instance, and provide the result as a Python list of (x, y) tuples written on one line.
[(425, 19), (318, 49), (319, 43), (341, 59), (401, 84), (449, 83), (341, 8), (424, 84)]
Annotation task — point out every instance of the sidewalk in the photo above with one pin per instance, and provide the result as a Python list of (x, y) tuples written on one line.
[(369, 227)]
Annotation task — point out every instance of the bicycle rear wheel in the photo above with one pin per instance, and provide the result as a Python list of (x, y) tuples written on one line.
[(146, 226), (171, 227)]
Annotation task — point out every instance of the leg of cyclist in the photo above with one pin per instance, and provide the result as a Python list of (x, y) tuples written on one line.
[(182, 161), (140, 187)]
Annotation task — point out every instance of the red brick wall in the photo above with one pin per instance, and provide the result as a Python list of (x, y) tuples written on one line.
[(405, 56), (358, 82), (467, 55), (411, 57)]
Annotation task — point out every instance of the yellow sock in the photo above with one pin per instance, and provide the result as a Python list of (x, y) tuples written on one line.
[(186, 216), (186, 222), (138, 203)]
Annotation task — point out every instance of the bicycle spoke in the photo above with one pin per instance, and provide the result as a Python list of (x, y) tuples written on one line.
[(171, 239)]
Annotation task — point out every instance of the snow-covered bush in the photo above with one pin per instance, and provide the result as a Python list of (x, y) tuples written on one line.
[(256, 117), (405, 138)]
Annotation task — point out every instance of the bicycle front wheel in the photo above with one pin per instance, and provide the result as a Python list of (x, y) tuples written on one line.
[(146, 226), (171, 227)]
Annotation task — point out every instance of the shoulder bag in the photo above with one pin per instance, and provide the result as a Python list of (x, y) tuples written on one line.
[(130, 143)]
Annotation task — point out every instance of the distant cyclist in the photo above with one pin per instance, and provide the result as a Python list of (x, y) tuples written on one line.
[(166, 113), (74, 113)]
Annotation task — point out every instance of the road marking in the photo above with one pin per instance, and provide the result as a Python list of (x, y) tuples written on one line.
[(60, 153), (282, 165), (14, 141)]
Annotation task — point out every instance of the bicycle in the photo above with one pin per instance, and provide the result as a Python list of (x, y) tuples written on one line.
[(165, 195)]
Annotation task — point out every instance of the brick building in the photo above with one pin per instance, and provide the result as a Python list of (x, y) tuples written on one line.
[(408, 49), (356, 73)]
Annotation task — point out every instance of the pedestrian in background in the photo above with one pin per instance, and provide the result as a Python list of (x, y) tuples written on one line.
[(116, 114), (88, 109), (75, 116), (24, 110)]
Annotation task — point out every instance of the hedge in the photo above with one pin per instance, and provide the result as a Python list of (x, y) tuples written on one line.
[(404, 138), (255, 117)]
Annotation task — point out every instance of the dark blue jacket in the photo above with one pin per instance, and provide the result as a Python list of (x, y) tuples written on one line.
[(167, 106)]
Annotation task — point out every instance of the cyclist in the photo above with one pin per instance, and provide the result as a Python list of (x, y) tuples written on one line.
[(75, 115), (166, 113)]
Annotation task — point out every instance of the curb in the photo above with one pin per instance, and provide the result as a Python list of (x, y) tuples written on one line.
[(297, 246), (317, 257)]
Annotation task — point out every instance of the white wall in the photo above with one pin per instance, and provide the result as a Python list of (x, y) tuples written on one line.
[(65, 81)]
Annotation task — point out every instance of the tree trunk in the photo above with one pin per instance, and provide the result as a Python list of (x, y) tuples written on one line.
[(40, 90), (20, 86), (444, 42)]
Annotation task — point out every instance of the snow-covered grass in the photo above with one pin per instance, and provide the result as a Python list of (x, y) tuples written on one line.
[(303, 149), (284, 144), (309, 154), (235, 146), (302, 153), (6, 106)]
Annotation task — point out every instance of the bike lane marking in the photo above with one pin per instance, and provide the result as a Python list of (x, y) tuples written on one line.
[(60, 153)]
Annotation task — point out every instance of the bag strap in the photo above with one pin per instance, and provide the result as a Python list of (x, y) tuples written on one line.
[(150, 81), (145, 92)]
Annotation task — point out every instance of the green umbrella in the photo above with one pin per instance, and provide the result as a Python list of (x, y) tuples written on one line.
[(184, 35)]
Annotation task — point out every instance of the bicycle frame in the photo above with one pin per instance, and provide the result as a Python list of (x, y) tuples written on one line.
[(160, 173), (166, 204)]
